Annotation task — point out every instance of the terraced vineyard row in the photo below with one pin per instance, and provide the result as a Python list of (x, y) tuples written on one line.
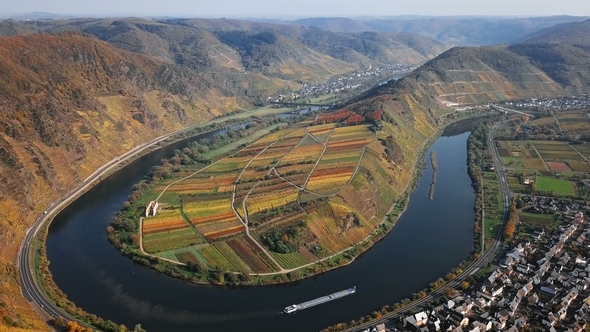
[(273, 187)]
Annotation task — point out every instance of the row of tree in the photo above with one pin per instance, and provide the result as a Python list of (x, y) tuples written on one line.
[(476, 146), (510, 226), (61, 325)]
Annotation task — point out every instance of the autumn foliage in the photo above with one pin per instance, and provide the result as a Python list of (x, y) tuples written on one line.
[(343, 115), (375, 116), (510, 227), (354, 119), (55, 130)]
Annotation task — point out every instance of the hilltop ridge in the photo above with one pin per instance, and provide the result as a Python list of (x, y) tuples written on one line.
[(71, 102), (245, 52), (458, 30)]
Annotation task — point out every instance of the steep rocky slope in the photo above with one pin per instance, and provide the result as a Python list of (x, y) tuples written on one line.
[(68, 104)]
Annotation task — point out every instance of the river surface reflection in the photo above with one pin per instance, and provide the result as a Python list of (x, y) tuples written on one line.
[(430, 238)]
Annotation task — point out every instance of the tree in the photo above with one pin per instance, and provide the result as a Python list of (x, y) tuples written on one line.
[(59, 322), (74, 327), (196, 267), (465, 285), (450, 292), (510, 226)]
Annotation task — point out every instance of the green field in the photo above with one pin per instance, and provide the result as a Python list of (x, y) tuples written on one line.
[(512, 162), (563, 187), (291, 260), (520, 155), (515, 184), (536, 219)]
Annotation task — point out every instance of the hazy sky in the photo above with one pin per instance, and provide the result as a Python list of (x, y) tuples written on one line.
[(310, 8)]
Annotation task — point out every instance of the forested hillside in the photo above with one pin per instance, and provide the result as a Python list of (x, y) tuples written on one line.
[(245, 55), (69, 104)]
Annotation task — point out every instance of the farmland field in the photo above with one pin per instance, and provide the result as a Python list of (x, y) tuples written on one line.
[(167, 220), (575, 123), (536, 219), (547, 121), (563, 157), (583, 149), (556, 166), (520, 155), (163, 241), (563, 187), (296, 182), (579, 166), (291, 260)]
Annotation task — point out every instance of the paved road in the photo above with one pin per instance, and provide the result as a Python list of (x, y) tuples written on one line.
[(510, 110), (29, 287), (483, 261)]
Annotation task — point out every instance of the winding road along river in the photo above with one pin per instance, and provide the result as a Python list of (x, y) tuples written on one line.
[(431, 237)]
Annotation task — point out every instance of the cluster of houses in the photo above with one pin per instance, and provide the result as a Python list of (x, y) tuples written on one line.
[(568, 209), (344, 83), (574, 102), (541, 284)]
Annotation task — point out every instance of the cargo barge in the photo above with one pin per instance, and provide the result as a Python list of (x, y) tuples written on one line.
[(319, 300)]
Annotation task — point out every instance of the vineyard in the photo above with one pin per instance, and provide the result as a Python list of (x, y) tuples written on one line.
[(166, 220), (285, 188), (162, 241)]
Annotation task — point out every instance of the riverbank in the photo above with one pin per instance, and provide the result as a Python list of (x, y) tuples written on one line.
[(109, 186), (124, 238), (441, 287), (128, 293), (39, 274)]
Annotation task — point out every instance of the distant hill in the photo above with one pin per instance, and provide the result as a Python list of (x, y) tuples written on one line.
[(14, 28), (339, 24), (447, 30), (40, 16), (566, 33), (473, 75), (228, 49), (550, 63)]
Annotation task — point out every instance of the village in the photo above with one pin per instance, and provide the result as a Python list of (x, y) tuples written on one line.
[(539, 282), (345, 83), (565, 103)]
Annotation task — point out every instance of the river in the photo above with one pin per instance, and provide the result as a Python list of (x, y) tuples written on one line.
[(430, 238)]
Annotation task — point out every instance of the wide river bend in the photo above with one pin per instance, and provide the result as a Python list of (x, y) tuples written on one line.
[(430, 238)]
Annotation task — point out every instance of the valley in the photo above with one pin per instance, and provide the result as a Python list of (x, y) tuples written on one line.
[(264, 198)]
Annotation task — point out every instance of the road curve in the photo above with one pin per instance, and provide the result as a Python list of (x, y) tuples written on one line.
[(33, 292), (482, 261)]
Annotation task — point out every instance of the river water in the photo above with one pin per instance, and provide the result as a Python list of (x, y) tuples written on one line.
[(430, 238)]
